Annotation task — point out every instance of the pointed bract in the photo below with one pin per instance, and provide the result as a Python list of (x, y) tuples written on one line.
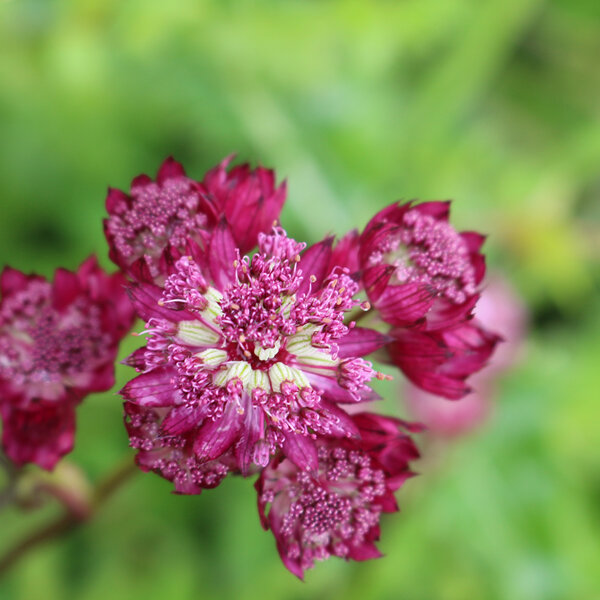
[(248, 199), (440, 361)]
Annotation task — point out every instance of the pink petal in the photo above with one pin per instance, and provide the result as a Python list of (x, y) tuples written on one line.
[(251, 431), (140, 181), (345, 253), (439, 210), (152, 389), (215, 437), (222, 255), (117, 202), (314, 261), (169, 169), (145, 298), (376, 280), (361, 341), (404, 304), (136, 359), (65, 289), (12, 281), (473, 240), (181, 419), (301, 450), (366, 551)]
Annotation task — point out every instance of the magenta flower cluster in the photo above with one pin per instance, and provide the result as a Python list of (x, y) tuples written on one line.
[(256, 355)]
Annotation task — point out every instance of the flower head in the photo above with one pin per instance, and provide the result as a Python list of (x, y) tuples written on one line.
[(335, 511), (252, 355), (156, 223), (58, 343), (422, 278), (418, 270), (156, 215)]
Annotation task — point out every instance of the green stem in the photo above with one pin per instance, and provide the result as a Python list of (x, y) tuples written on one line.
[(7, 494), (68, 520)]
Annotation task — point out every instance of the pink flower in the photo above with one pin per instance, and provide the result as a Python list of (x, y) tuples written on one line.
[(335, 511), (422, 278), (58, 343), (158, 220), (501, 309), (249, 356), (417, 270), (447, 418)]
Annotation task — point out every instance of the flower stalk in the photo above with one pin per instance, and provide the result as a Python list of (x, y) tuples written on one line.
[(69, 519)]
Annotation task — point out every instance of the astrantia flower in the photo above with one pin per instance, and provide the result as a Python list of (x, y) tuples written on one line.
[(254, 363), (417, 269), (58, 343), (335, 511), (248, 356), (422, 278), (157, 221)]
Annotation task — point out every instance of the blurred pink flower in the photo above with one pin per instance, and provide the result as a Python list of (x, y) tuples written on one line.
[(58, 343)]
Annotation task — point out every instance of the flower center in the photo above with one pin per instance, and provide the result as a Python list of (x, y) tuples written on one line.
[(41, 345), (159, 214), (428, 251), (265, 347)]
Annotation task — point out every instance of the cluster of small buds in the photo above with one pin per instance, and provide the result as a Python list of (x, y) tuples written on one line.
[(430, 252), (335, 509), (256, 359)]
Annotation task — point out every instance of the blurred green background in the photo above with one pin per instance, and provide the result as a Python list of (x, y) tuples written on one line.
[(494, 103)]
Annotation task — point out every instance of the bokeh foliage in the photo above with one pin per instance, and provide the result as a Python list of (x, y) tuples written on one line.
[(493, 103)]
